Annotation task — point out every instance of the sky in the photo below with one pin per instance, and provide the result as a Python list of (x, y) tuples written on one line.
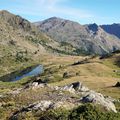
[(82, 11)]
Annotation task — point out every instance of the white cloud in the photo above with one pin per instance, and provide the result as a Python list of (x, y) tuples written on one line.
[(49, 8)]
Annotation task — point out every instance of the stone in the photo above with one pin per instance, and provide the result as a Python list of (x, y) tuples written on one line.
[(35, 85), (83, 89), (68, 88), (98, 98), (76, 86)]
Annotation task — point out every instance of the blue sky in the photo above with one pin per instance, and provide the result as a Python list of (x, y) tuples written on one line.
[(82, 11)]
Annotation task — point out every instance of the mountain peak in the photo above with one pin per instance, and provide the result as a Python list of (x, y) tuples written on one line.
[(53, 19), (4, 11), (93, 27), (16, 21), (5, 14)]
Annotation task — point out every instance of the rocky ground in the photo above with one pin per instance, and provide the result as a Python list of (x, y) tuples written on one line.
[(66, 97)]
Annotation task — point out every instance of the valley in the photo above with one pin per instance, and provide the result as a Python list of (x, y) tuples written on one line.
[(57, 70)]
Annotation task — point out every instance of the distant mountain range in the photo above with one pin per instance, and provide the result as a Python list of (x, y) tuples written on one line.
[(89, 39), (55, 35), (113, 29)]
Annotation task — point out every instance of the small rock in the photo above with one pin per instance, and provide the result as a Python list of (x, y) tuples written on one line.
[(35, 85), (68, 88)]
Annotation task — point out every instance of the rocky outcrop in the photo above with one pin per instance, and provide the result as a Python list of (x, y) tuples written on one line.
[(90, 96), (45, 105), (75, 87), (98, 98), (42, 105), (35, 85), (59, 98)]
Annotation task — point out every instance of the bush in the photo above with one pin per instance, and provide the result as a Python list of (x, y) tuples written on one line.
[(91, 112), (59, 114)]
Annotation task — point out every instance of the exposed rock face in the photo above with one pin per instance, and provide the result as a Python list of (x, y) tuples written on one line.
[(16, 21), (43, 105), (98, 98), (113, 29), (88, 38)]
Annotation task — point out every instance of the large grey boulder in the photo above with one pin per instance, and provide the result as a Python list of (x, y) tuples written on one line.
[(98, 98)]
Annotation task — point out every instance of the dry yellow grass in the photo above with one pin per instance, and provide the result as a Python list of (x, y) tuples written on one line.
[(96, 75)]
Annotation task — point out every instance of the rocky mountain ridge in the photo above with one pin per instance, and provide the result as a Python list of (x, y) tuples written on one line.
[(113, 29), (91, 39)]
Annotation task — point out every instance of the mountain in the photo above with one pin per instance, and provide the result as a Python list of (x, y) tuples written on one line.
[(13, 27), (88, 39), (37, 82), (21, 42), (113, 29)]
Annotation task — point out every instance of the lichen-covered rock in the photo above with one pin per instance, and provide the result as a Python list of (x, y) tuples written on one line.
[(43, 105)]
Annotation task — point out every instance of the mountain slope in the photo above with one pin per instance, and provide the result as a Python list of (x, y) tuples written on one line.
[(113, 29), (21, 42), (90, 39)]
